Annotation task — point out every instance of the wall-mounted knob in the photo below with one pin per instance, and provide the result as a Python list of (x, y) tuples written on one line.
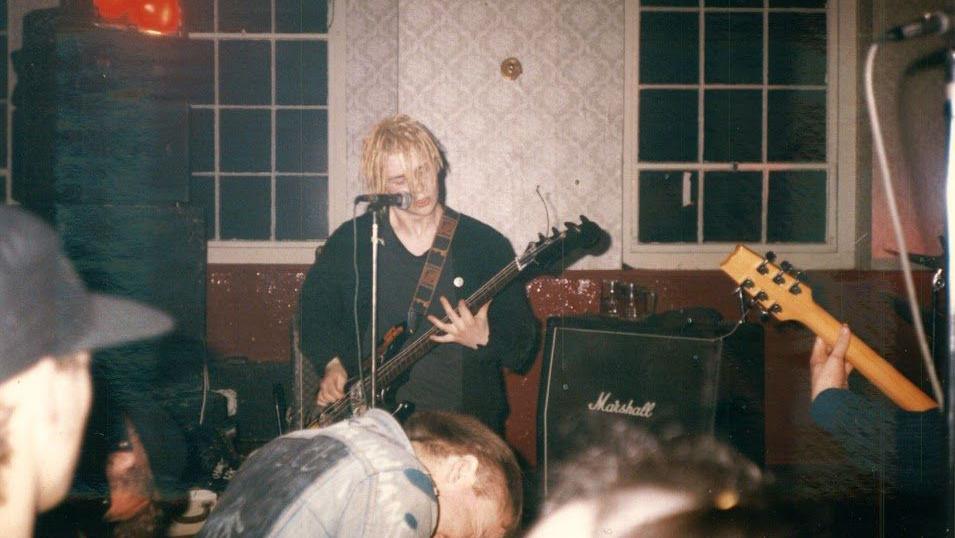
[(511, 68)]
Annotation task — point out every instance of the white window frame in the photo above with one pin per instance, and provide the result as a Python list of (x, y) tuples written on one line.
[(839, 250), (275, 252)]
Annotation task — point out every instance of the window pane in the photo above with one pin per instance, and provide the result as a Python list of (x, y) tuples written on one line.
[(668, 125), (244, 73), (797, 126), (732, 203), (301, 72), (797, 48), (3, 67), (669, 48), (202, 82), (245, 138), (732, 126), (251, 16), (797, 207), (671, 3), (301, 16), (663, 216), (734, 3), (202, 193), (734, 48), (302, 144), (4, 162), (201, 144), (197, 15), (301, 207), (798, 3), (245, 207)]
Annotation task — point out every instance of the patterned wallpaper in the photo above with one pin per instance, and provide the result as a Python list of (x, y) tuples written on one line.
[(538, 150)]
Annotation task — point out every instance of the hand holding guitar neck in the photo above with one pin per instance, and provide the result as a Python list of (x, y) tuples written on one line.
[(783, 296)]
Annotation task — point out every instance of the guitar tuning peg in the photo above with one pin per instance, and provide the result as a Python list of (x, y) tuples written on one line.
[(584, 219), (571, 225), (770, 255), (786, 266), (775, 309), (795, 289), (555, 230), (761, 296), (541, 237), (778, 278), (763, 316)]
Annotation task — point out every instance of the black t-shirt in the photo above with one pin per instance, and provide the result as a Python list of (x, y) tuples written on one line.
[(436, 380)]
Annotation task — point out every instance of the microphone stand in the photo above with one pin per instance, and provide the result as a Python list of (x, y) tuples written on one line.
[(377, 210), (949, 250)]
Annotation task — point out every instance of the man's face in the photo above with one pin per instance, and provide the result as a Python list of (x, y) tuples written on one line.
[(422, 185), (461, 511)]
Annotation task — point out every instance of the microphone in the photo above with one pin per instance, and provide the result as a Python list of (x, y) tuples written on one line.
[(401, 200), (934, 23)]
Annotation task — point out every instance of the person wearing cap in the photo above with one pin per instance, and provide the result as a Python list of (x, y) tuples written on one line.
[(49, 323)]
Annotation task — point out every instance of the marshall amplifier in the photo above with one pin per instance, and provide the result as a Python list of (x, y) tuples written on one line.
[(678, 372)]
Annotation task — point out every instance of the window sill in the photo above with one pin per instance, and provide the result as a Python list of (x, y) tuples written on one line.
[(262, 252)]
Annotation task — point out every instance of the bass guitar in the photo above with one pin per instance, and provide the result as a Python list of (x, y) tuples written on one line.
[(396, 358), (781, 294)]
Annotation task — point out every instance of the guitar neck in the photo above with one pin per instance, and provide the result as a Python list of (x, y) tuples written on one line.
[(876, 369)]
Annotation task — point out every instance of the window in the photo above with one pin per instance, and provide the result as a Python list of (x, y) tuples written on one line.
[(740, 128), (262, 154)]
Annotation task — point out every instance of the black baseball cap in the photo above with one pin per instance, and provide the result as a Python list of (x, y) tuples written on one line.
[(45, 308)]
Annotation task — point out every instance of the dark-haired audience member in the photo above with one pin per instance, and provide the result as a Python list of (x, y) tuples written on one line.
[(631, 478), (49, 323), (441, 474)]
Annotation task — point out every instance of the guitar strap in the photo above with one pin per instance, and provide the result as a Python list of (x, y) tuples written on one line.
[(433, 267)]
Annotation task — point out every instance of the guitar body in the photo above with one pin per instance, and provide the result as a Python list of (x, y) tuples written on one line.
[(393, 340)]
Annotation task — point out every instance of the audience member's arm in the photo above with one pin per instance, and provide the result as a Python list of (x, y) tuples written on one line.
[(906, 448)]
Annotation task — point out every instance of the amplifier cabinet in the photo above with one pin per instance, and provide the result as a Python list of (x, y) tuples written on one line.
[(688, 377)]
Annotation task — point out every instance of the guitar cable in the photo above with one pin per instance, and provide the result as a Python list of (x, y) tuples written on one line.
[(897, 226)]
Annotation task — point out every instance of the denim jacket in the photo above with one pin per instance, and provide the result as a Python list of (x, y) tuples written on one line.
[(357, 478)]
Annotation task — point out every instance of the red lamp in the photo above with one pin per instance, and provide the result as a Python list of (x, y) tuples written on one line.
[(159, 16)]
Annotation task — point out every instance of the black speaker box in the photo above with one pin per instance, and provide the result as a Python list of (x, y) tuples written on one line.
[(680, 372), (101, 114)]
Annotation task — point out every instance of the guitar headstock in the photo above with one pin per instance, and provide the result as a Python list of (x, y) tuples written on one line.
[(775, 288), (548, 248)]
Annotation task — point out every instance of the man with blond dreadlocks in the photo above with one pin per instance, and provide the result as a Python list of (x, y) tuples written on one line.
[(463, 373)]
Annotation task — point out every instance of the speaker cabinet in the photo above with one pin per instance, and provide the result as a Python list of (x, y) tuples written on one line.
[(679, 372)]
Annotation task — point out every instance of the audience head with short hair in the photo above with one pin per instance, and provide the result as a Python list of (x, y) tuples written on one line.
[(478, 479), (49, 323), (626, 477)]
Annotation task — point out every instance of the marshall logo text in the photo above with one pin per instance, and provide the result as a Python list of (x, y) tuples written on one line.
[(603, 405)]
